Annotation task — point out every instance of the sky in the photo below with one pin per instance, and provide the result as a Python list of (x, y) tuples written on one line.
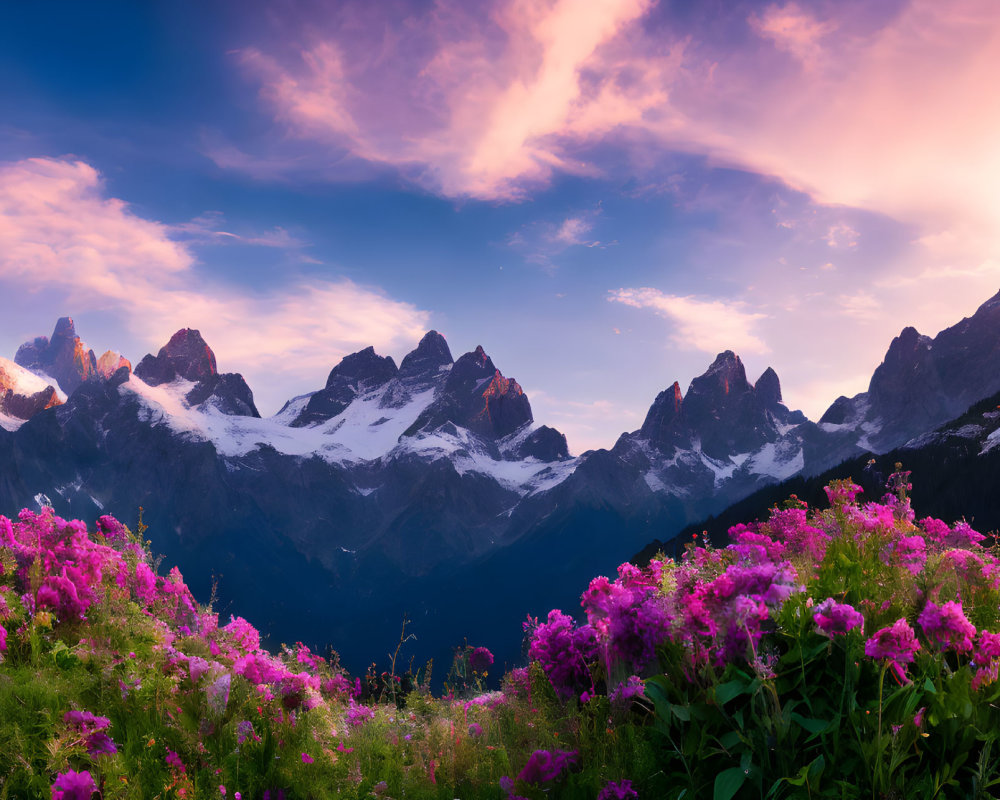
[(604, 194)]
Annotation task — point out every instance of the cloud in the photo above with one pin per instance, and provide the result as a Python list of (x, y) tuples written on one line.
[(207, 228), (883, 108), (861, 305), (710, 326), (793, 30), (60, 231), (477, 105), (542, 242)]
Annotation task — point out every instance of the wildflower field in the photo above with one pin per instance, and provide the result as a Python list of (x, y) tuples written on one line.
[(850, 651)]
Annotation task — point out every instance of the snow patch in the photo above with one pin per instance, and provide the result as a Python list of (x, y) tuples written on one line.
[(359, 433), (363, 432), (653, 482), (292, 409), (9, 423), (27, 382), (779, 460), (723, 471)]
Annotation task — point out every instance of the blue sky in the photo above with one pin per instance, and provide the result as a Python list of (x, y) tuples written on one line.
[(602, 194)]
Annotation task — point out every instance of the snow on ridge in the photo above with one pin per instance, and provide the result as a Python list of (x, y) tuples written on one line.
[(292, 409), (28, 382), (723, 471), (363, 432), (464, 450), (777, 460), (9, 423)]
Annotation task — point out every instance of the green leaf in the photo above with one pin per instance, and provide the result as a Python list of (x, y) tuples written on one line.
[(729, 740), (725, 692), (683, 713), (929, 686), (812, 725), (728, 783)]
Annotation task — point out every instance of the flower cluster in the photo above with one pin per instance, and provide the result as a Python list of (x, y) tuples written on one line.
[(833, 618)]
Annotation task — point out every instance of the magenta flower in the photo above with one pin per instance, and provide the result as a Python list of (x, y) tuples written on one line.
[(564, 652), (359, 715), (100, 744), (627, 690), (615, 790), (897, 644), (947, 626), (174, 761), (834, 618), (840, 492), (481, 659), (72, 785), (546, 766), (307, 759), (112, 529)]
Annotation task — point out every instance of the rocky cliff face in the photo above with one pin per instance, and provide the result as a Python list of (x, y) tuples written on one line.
[(188, 357), (355, 375), (923, 382), (67, 359)]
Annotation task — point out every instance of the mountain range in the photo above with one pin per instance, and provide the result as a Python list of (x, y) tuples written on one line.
[(426, 489)]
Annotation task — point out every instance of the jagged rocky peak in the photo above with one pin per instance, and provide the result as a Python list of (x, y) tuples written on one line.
[(430, 355), (471, 366), (64, 357), (660, 424), (842, 410), (724, 378), (365, 366), (492, 405), (186, 356), (477, 396), (721, 410), (768, 388), (110, 363), (545, 444), (355, 374), (908, 369)]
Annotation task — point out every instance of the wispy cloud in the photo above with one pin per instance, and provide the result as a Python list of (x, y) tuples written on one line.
[(710, 326), (543, 241), (60, 231), (793, 30), (478, 104), (490, 101), (210, 228)]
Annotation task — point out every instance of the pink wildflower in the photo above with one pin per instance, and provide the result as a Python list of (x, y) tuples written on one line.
[(544, 766), (834, 618), (947, 626), (897, 644), (72, 785)]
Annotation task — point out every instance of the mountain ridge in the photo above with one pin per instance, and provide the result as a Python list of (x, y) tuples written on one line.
[(433, 478)]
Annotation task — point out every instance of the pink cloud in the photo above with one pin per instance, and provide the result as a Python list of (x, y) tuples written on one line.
[(485, 108), (793, 30), (60, 232), (887, 115), (710, 326)]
